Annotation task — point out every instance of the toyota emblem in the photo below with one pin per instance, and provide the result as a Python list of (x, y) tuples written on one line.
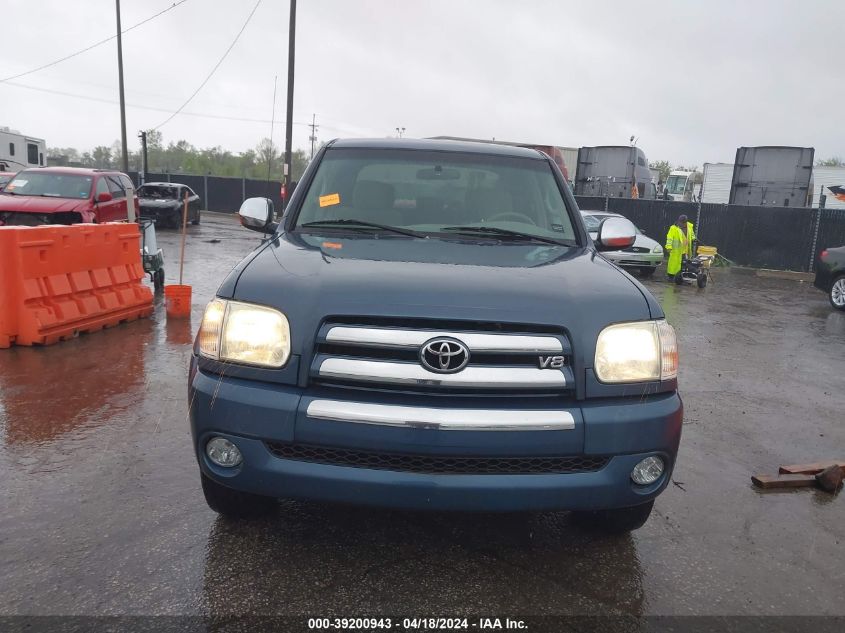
[(444, 355)]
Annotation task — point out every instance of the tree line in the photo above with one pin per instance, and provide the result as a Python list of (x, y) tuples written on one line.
[(182, 157)]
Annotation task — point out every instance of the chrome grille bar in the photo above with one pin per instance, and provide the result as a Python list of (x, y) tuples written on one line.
[(413, 374), (440, 419), (475, 341)]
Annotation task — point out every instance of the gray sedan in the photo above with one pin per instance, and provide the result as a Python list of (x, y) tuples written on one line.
[(645, 255)]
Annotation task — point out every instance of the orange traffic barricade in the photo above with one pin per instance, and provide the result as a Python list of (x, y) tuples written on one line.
[(59, 281)]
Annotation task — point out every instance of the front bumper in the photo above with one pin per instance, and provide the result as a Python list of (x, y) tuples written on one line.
[(253, 414), (621, 258), (161, 214)]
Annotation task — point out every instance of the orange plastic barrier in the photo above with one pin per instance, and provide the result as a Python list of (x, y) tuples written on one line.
[(58, 281)]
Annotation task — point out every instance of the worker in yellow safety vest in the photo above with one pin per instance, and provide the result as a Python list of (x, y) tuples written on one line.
[(679, 241)]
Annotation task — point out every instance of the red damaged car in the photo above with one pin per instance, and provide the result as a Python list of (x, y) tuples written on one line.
[(65, 195)]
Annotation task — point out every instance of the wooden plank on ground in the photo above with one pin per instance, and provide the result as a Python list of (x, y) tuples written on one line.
[(811, 469), (783, 481)]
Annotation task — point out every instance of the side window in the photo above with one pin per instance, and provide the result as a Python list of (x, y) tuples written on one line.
[(41, 159), (102, 187), (126, 182), (32, 153), (11, 149), (115, 188)]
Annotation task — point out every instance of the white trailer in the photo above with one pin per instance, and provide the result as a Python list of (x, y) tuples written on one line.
[(716, 187), (18, 151)]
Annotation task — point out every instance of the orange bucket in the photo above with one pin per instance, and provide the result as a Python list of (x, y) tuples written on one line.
[(177, 300)]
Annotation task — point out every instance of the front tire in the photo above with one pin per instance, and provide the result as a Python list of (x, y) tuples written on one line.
[(196, 220), (837, 293), (234, 503), (615, 521), (702, 280)]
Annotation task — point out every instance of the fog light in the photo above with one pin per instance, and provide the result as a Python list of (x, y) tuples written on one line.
[(223, 453), (647, 471)]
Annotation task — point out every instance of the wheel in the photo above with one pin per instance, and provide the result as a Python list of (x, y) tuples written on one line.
[(679, 279), (234, 503), (196, 220), (158, 279), (701, 280), (647, 271), (837, 293), (615, 521)]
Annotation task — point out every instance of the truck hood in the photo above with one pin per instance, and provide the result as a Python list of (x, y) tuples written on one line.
[(39, 204), (310, 278)]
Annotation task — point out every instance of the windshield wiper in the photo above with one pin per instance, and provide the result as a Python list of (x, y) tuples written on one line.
[(494, 230), (361, 224)]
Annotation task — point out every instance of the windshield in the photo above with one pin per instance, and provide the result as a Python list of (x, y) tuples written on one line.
[(157, 191), (36, 183), (676, 184), (429, 192), (592, 222)]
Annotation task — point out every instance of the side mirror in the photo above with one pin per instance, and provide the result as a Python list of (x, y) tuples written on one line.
[(104, 196), (257, 214), (615, 234)]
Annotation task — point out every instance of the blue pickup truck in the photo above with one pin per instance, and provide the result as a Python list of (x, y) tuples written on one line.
[(431, 326)]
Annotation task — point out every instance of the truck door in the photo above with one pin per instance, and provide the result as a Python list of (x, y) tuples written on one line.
[(115, 211)]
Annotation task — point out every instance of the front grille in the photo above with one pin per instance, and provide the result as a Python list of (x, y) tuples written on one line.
[(387, 354), (436, 464), (637, 249)]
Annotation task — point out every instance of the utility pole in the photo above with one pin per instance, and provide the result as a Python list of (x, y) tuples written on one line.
[(313, 138), (289, 120), (400, 131), (143, 136), (120, 84)]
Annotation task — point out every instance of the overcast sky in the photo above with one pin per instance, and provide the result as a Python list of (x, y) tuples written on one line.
[(693, 80)]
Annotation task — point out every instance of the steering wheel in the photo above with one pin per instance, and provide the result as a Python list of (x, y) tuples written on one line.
[(519, 217)]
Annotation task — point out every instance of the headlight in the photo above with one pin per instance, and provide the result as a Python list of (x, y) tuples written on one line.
[(636, 352), (244, 333), (657, 249)]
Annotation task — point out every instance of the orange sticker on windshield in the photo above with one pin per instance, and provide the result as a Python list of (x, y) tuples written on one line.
[(329, 200), (334, 245)]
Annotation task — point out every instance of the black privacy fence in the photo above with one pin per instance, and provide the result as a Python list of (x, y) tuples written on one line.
[(219, 193), (778, 238)]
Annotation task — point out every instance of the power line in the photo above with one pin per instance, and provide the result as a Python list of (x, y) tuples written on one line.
[(95, 45), (145, 107), (203, 115), (213, 70)]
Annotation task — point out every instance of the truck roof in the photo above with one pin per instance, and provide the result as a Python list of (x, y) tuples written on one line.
[(438, 145), (72, 170)]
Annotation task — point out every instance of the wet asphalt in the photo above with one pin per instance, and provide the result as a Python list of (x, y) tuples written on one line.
[(102, 512)]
